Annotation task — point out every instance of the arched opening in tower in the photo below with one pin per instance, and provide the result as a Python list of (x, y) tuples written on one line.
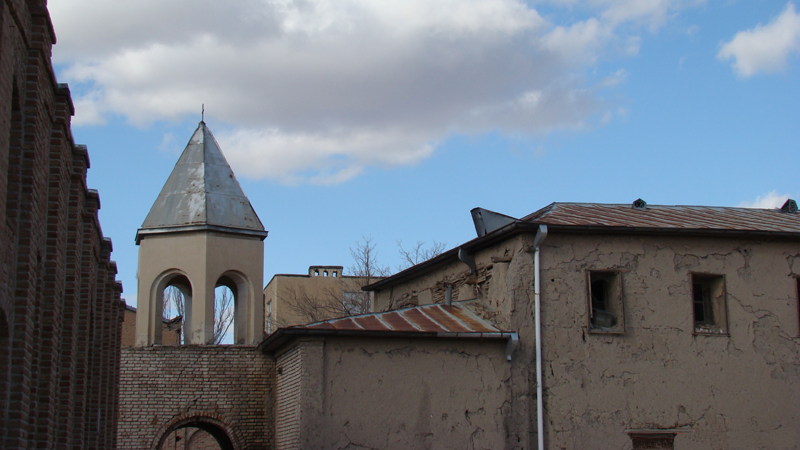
[(176, 310), (225, 294)]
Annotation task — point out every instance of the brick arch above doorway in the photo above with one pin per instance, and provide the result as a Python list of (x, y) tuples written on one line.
[(215, 424)]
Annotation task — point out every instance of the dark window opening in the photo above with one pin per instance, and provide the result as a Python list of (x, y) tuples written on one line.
[(708, 304), (605, 302), (797, 281)]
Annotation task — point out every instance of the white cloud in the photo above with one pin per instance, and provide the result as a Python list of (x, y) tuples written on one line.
[(650, 13), (765, 48), (317, 91), (767, 201)]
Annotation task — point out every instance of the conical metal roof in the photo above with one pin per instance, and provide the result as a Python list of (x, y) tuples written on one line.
[(202, 193)]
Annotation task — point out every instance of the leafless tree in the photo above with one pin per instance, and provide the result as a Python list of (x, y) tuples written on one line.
[(312, 308), (366, 266), (223, 313), (173, 301), (365, 261), (418, 253)]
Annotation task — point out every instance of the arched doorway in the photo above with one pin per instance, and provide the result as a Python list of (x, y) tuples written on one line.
[(196, 433)]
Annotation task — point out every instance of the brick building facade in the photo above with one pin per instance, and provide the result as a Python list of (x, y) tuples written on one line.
[(60, 307)]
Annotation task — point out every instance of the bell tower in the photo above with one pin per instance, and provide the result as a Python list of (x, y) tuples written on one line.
[(201, 233)]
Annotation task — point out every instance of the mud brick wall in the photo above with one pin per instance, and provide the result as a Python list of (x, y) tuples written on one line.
[(165, 388), (60, 307)]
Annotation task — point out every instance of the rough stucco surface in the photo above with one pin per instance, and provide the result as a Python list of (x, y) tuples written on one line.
[(736, 391), (739, 390), (404, 393), (232, 385)]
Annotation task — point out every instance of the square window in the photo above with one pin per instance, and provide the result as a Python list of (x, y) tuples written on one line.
[(606, 313), (708, 301)]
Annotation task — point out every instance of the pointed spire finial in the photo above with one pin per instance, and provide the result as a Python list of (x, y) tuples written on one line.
[(203, 112)]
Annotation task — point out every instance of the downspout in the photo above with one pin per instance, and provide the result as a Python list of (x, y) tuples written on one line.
[(541, 235)]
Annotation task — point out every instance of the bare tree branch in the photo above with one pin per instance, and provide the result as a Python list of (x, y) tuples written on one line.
[(418, 253), (173, 300), (311, 308), (365, 261), (223, 313), (223, 310)]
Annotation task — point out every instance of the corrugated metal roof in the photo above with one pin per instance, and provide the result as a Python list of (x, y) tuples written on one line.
[(202, 191), (657, 216), (457, 318)]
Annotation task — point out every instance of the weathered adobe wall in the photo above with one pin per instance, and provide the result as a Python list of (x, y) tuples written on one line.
[(162, 386), (504, 282), (491, 264), (399, 393), (740, 390), (60, 307), (732, 390)]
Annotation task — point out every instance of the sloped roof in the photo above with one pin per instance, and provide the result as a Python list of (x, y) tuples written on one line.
[(666, 217), (202, 193), (783, 223), (463, 319), (436, 318)]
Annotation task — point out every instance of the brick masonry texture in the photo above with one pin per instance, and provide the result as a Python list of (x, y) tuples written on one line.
[(164, 388), (60, 307)]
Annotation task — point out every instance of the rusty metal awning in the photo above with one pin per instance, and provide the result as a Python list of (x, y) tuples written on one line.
[(458, 320)]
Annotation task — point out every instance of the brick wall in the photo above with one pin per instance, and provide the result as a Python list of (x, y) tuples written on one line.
[(228, 388), (60, 307), (287, 403)]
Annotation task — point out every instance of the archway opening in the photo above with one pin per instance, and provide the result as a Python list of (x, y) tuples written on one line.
[(236, 309), (196, 435), (224, 311), (176, 310)]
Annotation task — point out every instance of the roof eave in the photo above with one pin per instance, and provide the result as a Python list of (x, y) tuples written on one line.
[(531, 227), (141, 232), (664, 231), (283, 336), (452, 254)]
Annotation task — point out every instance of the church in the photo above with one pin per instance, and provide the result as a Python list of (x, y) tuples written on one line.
[(628, 326)]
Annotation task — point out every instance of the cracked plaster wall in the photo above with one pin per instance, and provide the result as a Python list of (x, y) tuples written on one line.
[(232, 384), (739, 390), (735, 391), (403, 393)]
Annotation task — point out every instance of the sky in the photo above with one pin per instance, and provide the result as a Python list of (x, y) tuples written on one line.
[(391, 120)]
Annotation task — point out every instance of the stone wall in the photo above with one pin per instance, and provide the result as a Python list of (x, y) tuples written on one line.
[(228, 388), (60, 307)]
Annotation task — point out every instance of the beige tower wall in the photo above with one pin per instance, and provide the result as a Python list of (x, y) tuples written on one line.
[(203, 257)]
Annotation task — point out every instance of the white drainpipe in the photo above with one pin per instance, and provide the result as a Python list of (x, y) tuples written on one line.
[(541, 235)]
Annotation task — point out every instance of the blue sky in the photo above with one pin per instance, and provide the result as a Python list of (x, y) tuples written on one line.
[(394, 119)]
